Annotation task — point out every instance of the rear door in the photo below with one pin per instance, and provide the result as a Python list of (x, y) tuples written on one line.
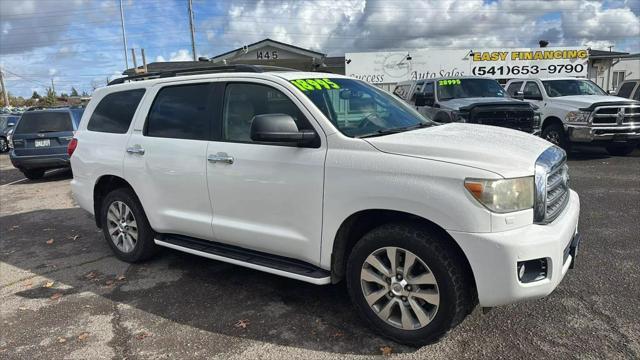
[(43, 133), (166, 158)]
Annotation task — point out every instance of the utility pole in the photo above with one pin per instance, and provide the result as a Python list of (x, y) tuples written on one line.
[(53, 87), (5, 93), (124, 36), (193, 38)]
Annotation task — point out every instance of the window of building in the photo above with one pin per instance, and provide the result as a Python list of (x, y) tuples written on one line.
[(618, 78)]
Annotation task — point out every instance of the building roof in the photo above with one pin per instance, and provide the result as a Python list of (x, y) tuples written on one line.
[(267, 42), (605, 54)]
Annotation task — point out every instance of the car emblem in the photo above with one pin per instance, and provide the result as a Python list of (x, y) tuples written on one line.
[(620, 115)]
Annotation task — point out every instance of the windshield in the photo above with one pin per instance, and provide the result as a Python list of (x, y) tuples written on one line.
[(358, 109), (557, 88), (468, 88), (35, 122)]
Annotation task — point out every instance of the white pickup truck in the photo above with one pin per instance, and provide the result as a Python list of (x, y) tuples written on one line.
[(579, 111), (324, 178)]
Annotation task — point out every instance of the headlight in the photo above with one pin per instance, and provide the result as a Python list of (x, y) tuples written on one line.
[(458, 116), (577, 116), (536, 120), (504, 195)]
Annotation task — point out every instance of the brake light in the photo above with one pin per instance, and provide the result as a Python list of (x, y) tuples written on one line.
[(73, 144)]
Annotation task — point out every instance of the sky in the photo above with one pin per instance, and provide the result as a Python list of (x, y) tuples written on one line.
[(79, 42)]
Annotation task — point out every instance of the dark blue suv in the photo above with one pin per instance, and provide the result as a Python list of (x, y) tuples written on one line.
[(40, 140)]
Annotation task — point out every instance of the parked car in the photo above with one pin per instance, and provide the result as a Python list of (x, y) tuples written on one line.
[(324, 178), (40, 140), (629, 89), (7, 122), (579, 111), (472, 100)]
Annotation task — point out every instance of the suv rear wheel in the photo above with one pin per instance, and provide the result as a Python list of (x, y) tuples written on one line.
[(125, 226), (4, 144), (408, 284), (34, 174)]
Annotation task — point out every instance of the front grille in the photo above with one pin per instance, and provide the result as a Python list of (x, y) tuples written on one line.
[(616, 115), (551, 185), (514, 119), (557, 192)]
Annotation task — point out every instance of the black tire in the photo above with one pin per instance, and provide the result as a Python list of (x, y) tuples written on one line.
[(621, 150), (144, 247), (554, 133), (33, 174), (456, 287)]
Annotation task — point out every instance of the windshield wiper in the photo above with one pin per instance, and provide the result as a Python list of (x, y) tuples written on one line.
[(46, 131), (395, 130)]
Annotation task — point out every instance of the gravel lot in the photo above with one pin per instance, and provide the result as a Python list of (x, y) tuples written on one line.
[(64, 295)]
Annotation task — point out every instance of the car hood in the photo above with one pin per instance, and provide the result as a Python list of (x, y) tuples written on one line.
[(584, 101), (506, 152), (456, 104)]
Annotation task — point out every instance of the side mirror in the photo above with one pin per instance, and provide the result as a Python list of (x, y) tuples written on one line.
[(519, 95), (425, 99), (279, 128)]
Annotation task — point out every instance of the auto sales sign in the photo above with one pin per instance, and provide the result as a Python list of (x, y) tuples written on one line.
[(393, 67)]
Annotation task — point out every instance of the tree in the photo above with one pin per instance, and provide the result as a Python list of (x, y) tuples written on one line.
[(50, 99), (74, 92), (35, 95), (84, 93), (64, 95)]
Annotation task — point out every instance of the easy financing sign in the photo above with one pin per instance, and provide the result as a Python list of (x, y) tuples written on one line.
[(396, 66)]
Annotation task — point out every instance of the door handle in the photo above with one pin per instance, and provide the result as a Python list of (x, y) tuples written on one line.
[(220, 157), (136, 149)]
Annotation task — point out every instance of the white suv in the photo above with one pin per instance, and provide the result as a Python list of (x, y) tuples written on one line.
[(322, 178)]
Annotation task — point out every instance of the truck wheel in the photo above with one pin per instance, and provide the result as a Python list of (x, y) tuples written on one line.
[(408, 284), (554, 133), (34, 174), (621, 150), (4, 145), (126, 228)]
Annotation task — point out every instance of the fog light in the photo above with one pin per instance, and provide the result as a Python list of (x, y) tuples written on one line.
[(521, 270), (532, 270)]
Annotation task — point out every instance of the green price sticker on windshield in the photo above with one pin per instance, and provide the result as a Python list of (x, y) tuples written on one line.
[(449, 82), (315, 84)]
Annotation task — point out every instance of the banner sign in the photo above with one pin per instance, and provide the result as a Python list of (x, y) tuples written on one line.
[(396, 66)]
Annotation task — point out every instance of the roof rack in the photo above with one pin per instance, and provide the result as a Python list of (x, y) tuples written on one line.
[(200, 70)]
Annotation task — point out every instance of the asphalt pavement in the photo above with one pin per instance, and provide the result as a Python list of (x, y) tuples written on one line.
[(65, 296)]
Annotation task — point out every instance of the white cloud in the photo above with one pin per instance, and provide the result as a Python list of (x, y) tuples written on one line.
[(367, 25)]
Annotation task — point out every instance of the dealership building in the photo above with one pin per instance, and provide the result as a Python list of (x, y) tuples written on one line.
[(386, 68)]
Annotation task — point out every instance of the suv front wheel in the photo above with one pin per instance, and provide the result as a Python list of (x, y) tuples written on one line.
[(125, 226), (408, 283)]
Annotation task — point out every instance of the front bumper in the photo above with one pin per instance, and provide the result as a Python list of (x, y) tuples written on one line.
[(50, 161), (494, 257), (587, 134)]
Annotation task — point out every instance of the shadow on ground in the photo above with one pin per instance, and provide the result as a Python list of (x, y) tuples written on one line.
[(201, 293)]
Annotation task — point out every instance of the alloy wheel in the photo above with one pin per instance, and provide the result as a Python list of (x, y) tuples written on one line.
[(553, 137), (400, 288), (122, 226)]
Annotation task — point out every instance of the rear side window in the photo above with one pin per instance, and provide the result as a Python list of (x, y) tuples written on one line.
[(115, 112), (181, 112), (514, 87), (625, 89), (76, 115), (43, 121), (636, 96)]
